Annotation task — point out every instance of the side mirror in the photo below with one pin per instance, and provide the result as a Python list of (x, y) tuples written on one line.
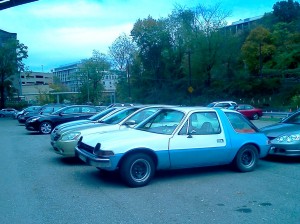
[(130, 123)]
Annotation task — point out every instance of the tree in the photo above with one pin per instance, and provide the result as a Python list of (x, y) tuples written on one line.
[(121, 51), (91, 73), (153, 40), (209, 20), (286, 11), (258, 49), (12, 53)]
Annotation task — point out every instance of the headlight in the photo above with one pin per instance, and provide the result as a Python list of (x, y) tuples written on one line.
[(70, 136), (33, 119), (288, 138)]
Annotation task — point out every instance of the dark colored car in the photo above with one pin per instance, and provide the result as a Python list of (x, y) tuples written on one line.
[(284, 136), (8, 112), (43, 110), (27, 109), (249, 111), (45, 123)]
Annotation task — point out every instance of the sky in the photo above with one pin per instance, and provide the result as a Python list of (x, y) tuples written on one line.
[(59, 32)]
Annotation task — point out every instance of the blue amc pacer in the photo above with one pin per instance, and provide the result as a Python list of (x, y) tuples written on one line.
[(176, 138)]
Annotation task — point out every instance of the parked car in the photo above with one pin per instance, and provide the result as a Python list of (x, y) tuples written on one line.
[(284, 136), (8, 112), (44, 110), (223, 104), (64, 144), (175, 138), (27, 109), (56, 132), (249, 111), (45, 123)]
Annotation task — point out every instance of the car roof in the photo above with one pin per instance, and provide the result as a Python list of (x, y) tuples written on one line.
[(187, 109)]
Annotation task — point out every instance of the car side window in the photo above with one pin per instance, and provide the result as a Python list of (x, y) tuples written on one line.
[(47, 110), (240, 124), (201, 123), (88, 110), (71, 110)]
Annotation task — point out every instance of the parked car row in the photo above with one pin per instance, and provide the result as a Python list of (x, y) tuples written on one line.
[(247, 110), (139, 140)]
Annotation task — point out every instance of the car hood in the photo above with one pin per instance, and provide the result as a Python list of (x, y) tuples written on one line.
[(73, 123), (81, 127), (121, 140), (276, 130)]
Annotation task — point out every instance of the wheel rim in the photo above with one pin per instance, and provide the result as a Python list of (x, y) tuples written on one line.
[(46, 128), (248, 158), (140, 170)]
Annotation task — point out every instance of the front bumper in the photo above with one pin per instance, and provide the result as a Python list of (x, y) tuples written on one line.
[(285, 150), (31, 127), (93, 160), (66, 149)]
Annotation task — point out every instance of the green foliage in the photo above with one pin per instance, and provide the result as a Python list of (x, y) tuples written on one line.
[(191, 48), (287, 11), (12, 53), (90, 75)]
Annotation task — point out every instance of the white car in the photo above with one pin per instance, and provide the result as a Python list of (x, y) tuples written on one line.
[(224, 104), (174, 138), (64, 143), (97, 118)]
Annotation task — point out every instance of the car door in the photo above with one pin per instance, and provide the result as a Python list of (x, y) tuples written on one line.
[(69, 114), (200, 142)]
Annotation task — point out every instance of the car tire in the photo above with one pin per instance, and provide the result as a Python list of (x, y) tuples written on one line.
[(137, 169), (246, 159), (46, 127), (255, 117)]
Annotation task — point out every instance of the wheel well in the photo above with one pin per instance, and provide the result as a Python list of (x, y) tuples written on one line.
[(47, 122), (255, 145), (146, 151)]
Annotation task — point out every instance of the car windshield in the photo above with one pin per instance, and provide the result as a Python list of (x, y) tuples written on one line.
[(56, 112), (120, 116), (101, 114), (163, 122), (293, 119)]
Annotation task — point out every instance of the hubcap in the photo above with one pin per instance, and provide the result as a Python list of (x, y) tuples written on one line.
[(247, 158), (46, 128), (140, 170)]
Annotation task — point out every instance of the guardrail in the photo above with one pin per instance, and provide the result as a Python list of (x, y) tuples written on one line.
[(276, 114)]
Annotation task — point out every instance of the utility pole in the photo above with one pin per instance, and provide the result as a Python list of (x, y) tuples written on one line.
[(128, 79)]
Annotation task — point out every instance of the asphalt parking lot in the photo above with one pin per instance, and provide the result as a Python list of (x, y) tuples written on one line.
[(38, 186)]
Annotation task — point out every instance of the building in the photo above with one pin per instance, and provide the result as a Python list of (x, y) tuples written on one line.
[(36, 78), (68, 75), (243, 24), (33, 84)]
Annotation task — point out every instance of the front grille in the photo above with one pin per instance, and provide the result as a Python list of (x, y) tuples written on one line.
[(85, 147)]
